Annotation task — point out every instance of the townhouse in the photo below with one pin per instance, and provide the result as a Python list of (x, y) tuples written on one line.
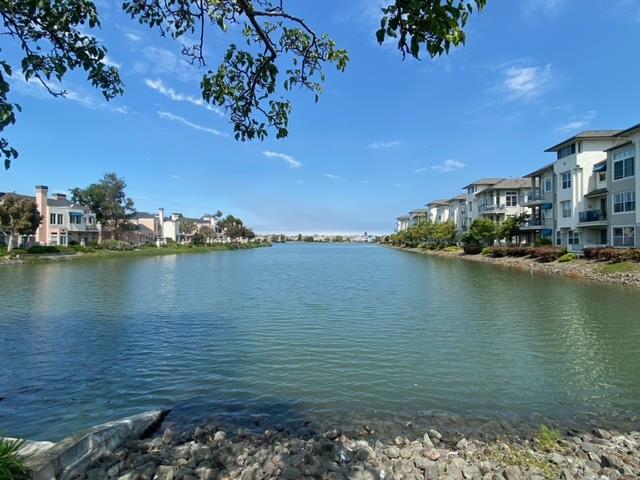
[(402, 223), (419, 215), (63, 222), (585, 198), (438, 211)]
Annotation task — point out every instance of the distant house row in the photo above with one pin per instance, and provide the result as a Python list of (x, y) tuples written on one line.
[(65, 222), (586, 197)]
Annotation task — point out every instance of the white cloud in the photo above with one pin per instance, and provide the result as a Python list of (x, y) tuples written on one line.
[(132, 37), (175, 177), (446, 167), (524, 82), (34, 88), (335, 177), (548, 7), (577, 123), (110, 62), (195, 126), (159, 86), (293, 163), (391, 144), (163, 62)]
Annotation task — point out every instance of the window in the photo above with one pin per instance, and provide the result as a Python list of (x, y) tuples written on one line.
[(624, 236), (574, 238), (624, 164), (54, 239), (566, 179), (558, 238), (52, 219), (566, 208), (60, 219), (566, 151), (548, 184), (75, 219), (602, 176), (512, 199), (471, 190), (624, 202)]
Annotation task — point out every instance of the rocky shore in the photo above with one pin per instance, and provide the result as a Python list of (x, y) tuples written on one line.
[(580, 269), (208, 453)]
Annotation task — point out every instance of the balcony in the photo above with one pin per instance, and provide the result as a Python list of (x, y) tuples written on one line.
[(593, 216), (491, 208), (537, 224)]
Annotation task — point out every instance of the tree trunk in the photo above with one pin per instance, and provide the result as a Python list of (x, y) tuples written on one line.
[(10, 244)]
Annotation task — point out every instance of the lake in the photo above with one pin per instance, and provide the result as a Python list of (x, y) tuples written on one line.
[(310, 333)]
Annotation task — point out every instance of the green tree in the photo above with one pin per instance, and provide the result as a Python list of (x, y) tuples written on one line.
[(187, 227), (445, 233), (18, 216), (235, 228), (108, 200), (281, 51), (482, 232), (198, 238), (208, 233), (510, 227)]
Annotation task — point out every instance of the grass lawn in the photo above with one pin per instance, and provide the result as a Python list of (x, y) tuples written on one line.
[(621, 267)]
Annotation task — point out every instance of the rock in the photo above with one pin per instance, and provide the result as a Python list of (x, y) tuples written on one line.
[(113, 471), (205, 473), (432, 472), (96, 474), (426, 441), (290, 473), (363, 475), (556, 458), (164, 472), (565, 474), (471, 472), (406, 452), (422, 463), (399, 441), (392, 452), (462, 444), (219, 436), (435, 434), (167, 436), (432, 454), (129, 476), (601, 433), (199, 431), (611, 461), (512, 473), (485, 467)]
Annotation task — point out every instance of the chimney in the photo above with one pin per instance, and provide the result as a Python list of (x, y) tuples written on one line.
[(60, 196), (161, 221), (175, 216), (42, 233)]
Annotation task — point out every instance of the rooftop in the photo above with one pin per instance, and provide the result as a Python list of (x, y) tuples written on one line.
[(461, 197), (592, 134), (540, 170), (485, 181), (511, 183), (629, 130), (419, 210), (440, 201)]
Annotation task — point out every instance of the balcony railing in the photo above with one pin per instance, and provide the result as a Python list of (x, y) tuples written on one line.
[(534, 196), (593, 216), (490, 207)]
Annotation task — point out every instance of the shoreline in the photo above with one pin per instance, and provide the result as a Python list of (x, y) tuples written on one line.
[(23, 259), (210, 452), (581, 269)]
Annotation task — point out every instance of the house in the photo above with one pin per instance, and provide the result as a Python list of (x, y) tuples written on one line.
[(580, 203), (503, 199), (63, 222), (540, 200), (438, 211)]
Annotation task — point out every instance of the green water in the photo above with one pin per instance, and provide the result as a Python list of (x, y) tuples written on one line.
[(310, 333)]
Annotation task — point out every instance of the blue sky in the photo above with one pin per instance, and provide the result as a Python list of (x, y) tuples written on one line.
[(387, 135)]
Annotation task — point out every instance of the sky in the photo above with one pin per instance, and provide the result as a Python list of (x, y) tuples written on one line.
[(387, 136)]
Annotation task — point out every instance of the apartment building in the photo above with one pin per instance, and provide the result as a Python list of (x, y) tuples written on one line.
[(503, 199), (458, 212), (473, 191), (438, 211), (580, 210), (622, 164), (417, 216), (540, 200), (402, 223)]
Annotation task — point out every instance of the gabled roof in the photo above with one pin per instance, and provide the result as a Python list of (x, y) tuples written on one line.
[(438, 202), (462, 197), (18, 195), (485, 181), (143, 215), (629, 130), (59, 202), (510, 183), (419, 210), (540, 170), (592, 134), (404, 217), (615, 147)]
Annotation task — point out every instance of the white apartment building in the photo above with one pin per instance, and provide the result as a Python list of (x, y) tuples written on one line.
[(579, 209), (473, 190), (503, 199), (541, 200), (458, 212), (438, 211), (402, 223)]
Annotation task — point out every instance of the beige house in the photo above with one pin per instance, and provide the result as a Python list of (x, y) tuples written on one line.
[(503, 199)]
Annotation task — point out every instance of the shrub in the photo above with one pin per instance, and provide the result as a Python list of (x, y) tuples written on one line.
[(116, 245), (548, 438), (613, 255), (472, 248), (546, 254), (543, 242), (43, 249), (592, 253), (11, 465), (568, 257), (487, 251)]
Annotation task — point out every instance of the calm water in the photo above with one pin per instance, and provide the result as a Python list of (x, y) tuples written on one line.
[(309, 332)]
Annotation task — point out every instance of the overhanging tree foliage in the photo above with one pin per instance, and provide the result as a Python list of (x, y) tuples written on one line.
[(280, 50)]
